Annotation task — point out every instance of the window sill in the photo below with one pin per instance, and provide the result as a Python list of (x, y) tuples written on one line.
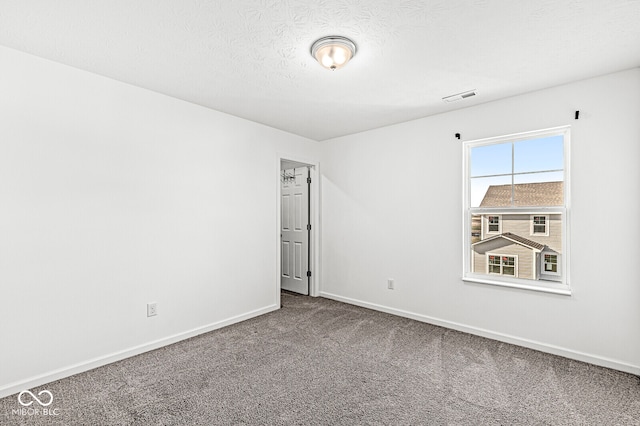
[(562, 289)]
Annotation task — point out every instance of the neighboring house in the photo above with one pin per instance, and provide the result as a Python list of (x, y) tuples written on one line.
[(519, 245)]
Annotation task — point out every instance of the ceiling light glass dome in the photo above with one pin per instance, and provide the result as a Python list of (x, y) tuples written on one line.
[(333, 52)]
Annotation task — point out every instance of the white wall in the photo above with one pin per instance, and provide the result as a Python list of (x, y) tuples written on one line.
[(392, 208), (112, 196)]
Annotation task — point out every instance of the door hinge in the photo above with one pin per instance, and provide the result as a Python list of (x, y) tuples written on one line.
[(308, 273), (309, 227), (308, 180)]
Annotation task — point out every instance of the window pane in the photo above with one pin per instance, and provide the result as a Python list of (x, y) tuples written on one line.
[(539, 224), (491, 160), (539, 189), (550, 263), (539, 177), (493, 224), (491, 192), (503, 261), (539, 154)]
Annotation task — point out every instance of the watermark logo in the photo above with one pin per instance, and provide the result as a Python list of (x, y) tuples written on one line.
[(44, 404), (44, 399)]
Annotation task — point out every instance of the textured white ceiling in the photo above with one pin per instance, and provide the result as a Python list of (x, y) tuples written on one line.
[(251, 58)]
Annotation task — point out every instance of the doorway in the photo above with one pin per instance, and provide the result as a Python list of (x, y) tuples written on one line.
[(297, 201)]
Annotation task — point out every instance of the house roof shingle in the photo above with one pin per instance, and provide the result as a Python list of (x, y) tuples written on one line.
[(516, 239), (525, 194)]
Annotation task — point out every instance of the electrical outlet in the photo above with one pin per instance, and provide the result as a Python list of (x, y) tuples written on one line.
[(152, 309), (391, 284)]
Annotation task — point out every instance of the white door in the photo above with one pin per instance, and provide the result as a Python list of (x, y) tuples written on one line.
[(294, 231)]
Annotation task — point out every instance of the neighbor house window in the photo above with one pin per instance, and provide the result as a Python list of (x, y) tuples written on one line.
[(501, 265), (517, 188), (551, 263), (493, 224), (539, 225)]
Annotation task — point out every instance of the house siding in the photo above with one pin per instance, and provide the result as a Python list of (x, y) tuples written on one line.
[(505, 247), (521, 225)]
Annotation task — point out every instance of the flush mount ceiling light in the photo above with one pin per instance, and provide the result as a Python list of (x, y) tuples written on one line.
[(333, 52)]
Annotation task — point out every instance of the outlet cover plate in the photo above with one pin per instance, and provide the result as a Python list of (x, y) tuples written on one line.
[(152, 309)]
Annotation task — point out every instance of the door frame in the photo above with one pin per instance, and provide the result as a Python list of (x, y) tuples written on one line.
[(314, 244)]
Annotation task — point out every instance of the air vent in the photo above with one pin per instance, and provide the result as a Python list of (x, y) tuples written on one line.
[(459, 96)]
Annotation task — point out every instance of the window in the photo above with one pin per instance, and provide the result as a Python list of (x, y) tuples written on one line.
[(551, 263), (493, 224), (516, 188), (501, 265), (539, 225)]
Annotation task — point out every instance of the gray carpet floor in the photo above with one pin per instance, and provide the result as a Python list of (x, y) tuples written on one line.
[(321, 362)]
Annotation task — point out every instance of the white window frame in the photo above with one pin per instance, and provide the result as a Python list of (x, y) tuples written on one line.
[(560, 287), (546, 225), (515, 269), (499, 231)]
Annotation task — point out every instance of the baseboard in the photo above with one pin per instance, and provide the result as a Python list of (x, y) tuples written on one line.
[(531, 344), (61, 373)]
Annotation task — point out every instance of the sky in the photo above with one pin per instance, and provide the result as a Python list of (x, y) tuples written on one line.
[(532, 155)]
